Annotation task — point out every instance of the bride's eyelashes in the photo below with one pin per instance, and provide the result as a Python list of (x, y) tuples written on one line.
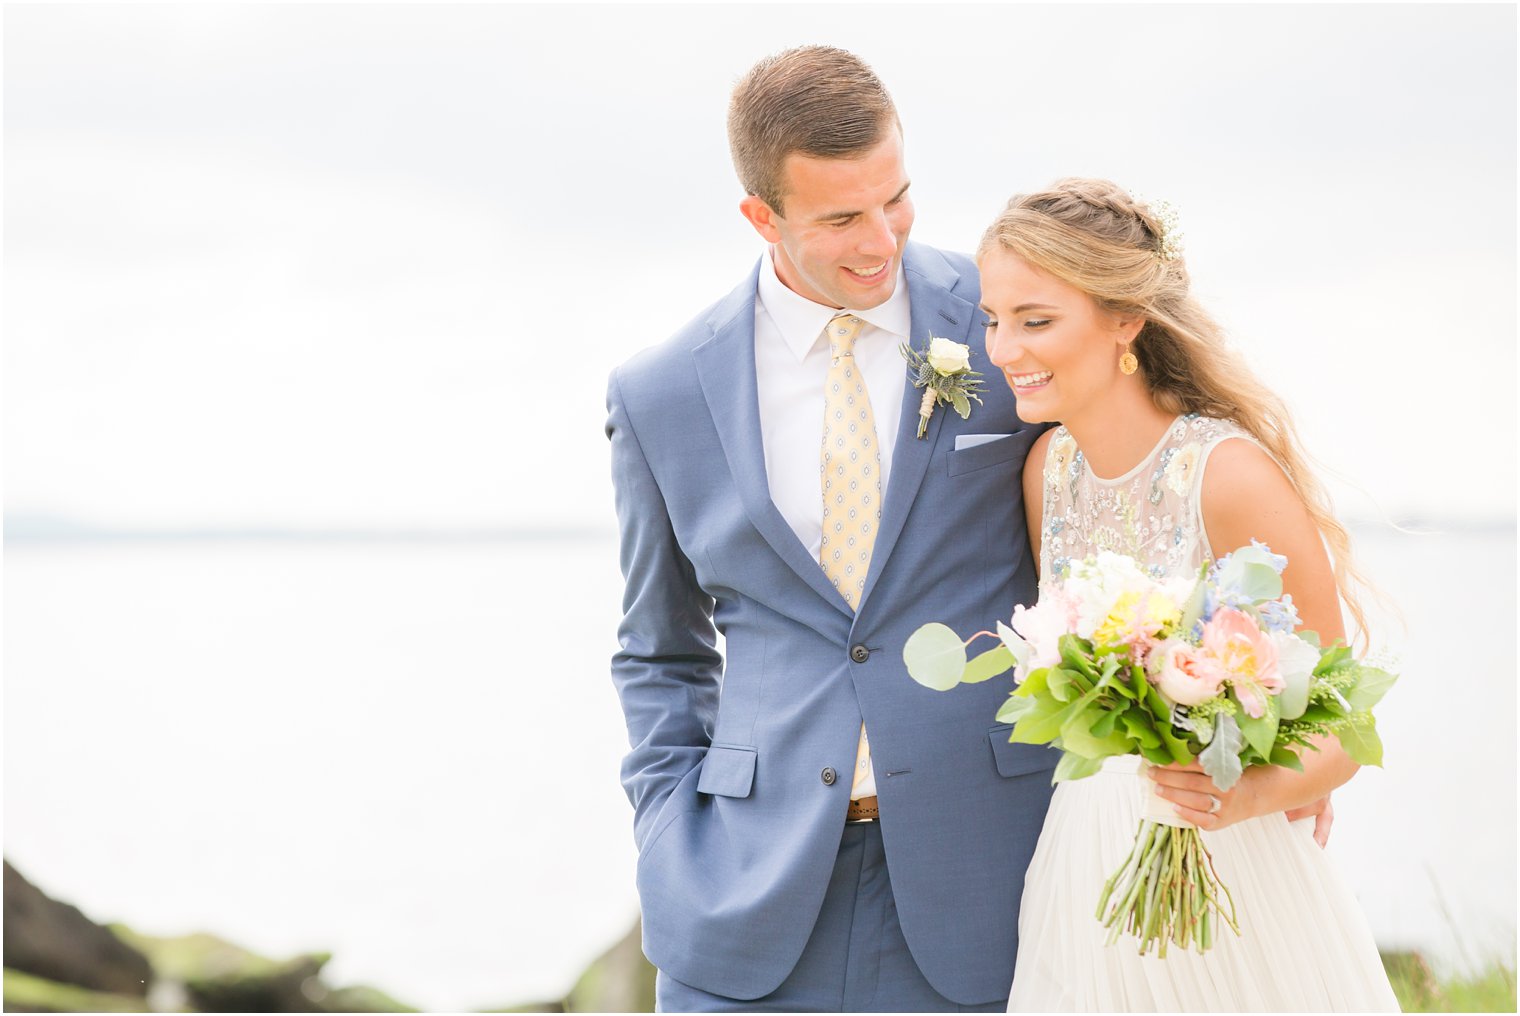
[(1038, 323)]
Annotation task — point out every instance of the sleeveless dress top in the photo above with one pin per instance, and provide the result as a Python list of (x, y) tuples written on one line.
[(1304, 944)]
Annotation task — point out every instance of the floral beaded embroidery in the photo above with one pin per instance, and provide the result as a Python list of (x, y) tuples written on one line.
[(1151, 513)]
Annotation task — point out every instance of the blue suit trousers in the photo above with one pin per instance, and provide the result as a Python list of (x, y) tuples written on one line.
[(856, 959)]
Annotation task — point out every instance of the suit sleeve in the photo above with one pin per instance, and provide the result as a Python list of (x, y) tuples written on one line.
[(667, 668)]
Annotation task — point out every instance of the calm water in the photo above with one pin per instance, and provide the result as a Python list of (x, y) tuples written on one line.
[(408, 753)]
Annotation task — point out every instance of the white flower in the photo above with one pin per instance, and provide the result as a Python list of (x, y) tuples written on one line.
[(948, 357), (1035, 638), (1296, 660), (1182, 470)]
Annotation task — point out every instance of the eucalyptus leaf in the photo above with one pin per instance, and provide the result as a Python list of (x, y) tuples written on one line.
[(1075, 767), (1192, 610), (1371, 685), (1221, 759), (1021, 650), (962, 405), (936, 657), (989, 664), (1361, 741)]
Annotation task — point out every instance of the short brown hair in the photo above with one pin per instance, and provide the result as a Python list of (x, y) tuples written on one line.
[(816, 100)]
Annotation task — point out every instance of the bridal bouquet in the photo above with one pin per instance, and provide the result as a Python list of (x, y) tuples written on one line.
[(1114, 662)]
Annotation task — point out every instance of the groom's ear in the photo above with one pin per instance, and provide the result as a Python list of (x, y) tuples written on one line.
[(762, 217)]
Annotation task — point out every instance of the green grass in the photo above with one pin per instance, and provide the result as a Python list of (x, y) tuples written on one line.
[(24, 992), (1419, 990)]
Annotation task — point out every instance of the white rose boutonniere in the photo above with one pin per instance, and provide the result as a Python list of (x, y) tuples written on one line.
[(948, 357), (946, 376)]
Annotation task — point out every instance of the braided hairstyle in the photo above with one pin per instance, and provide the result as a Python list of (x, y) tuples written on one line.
[(1094, 236)]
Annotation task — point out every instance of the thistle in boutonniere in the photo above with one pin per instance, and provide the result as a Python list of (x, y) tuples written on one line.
[(945, 374)]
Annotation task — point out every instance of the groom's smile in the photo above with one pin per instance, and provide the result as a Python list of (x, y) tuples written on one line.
[(838, 238)]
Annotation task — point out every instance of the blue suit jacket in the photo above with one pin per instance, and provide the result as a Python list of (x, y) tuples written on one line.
[(736, 827)]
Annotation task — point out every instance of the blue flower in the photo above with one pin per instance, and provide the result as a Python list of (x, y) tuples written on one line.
[(1279, 615)]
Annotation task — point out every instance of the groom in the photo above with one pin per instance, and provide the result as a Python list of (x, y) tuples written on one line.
[(816, 831)]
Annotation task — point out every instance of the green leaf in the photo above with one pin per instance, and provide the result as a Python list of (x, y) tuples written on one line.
[(1287, 758), (1042, 727), (989, 664), (1142, 730), (1361, 741), (1260, 733), (936, 657), (962, 405), (1076, 653), (1221, 759), (1332, 658), (1371, 685), (1016, 708), (1192, 610), (1106, 723), (1066, 685), (1037, 683), (1040, 723), (1157, 756), (1161, 716), (1075, 767), (1076, 737)]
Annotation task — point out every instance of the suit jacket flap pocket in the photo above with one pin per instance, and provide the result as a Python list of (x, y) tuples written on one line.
[(728, 770), (1019, 759)]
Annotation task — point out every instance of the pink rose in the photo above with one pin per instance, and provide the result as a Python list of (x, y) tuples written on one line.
[(1246, 656), (1184, 674)]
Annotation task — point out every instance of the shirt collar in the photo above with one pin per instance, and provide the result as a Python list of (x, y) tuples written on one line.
[(801, 321)]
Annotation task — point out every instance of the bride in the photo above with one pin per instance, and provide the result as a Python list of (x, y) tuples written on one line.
[(1170, 451)]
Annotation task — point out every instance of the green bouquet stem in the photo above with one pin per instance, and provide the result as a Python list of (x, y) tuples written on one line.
[(1166, 891)]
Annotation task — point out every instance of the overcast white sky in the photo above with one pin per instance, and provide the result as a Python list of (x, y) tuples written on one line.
[(370, 265)]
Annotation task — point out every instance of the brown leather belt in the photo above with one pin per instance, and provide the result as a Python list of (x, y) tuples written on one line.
[(863, 810)]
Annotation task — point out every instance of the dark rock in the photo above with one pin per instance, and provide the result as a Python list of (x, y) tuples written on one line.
[(56, 942)]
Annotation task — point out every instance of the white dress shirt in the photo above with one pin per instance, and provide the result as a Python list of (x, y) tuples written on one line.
[(791, 364)]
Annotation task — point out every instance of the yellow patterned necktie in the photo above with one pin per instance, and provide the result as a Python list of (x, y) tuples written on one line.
[(850, 470)]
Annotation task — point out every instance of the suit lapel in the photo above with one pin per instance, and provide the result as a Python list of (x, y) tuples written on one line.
[(726, 369), (934, 311)]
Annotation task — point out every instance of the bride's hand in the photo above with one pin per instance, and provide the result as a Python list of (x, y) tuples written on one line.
[(1193, 795)]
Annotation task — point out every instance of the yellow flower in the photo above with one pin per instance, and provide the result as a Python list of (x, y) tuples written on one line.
[(1137, 617)]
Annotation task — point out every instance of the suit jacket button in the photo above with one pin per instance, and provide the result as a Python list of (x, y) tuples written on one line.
[(859, 653), (829, 776)]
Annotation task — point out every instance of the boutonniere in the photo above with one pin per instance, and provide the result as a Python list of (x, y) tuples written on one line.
[(946, 376)]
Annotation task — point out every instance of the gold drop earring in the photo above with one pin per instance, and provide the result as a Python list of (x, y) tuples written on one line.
[(1127, 363)]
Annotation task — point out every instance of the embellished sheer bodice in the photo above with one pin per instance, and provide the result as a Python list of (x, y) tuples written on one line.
[(1152, 513)]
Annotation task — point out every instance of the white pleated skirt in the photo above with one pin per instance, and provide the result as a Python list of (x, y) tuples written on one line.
[(1304, 944)]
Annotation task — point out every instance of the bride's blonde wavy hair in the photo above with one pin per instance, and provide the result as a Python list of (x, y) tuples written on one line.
[(1094, 236)]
